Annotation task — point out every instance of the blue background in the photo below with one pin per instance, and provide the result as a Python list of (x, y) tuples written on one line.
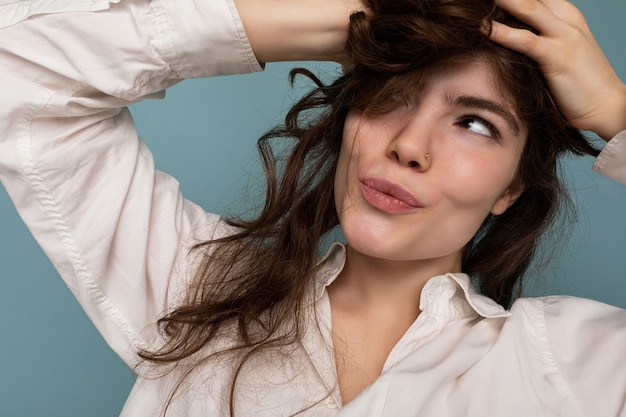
[(54, 363)]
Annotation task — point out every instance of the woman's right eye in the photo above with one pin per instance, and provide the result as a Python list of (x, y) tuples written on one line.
[(399, 100)]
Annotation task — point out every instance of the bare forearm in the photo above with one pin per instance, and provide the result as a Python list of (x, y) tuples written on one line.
[(613, 119), (296, 30)]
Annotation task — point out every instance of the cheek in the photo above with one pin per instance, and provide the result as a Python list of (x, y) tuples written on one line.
[(350, 156), (345, 165), (480, 182), (340, 189), (471, 197)]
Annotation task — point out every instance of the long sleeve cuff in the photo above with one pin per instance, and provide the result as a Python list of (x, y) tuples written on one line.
[(184, 28), (612, 160)]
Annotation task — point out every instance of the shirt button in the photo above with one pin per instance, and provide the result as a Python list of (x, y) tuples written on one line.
[(329, 402)]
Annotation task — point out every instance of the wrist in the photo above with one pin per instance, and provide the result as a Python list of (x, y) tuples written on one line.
[(613, 119)]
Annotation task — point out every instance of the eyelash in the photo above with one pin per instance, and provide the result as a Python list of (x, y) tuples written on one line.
[(466, 119)]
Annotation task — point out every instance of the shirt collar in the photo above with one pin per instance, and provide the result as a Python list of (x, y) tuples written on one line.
[(449, 295)]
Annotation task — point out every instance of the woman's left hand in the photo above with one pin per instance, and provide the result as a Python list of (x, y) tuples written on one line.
[(587, 90)]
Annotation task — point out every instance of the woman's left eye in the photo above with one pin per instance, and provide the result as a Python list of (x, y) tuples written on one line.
[(478, 125)]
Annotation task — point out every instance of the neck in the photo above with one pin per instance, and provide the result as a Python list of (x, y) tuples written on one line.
[(368, 281)]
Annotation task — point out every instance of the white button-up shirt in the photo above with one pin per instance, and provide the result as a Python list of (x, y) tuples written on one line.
[(119, 232)]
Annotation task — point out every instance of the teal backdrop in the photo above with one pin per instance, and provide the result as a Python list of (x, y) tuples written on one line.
[(53, 362)]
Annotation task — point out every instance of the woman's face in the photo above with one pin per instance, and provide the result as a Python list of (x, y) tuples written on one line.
[(416, 183)]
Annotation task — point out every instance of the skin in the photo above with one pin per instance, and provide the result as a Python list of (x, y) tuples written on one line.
[(468, 174), (471, 171), (587, 89), (585, 86), (582, 81), (297, 30)]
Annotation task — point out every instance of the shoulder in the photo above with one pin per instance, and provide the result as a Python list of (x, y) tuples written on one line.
[(569, 312), (565, 319), (583, 342)]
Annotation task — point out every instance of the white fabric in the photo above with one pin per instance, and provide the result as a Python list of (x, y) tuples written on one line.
[(118, 233)]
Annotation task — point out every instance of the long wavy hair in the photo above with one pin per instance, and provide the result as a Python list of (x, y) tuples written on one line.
[(255, 280)]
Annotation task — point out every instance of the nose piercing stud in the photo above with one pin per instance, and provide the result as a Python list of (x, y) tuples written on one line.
[(427, 156)]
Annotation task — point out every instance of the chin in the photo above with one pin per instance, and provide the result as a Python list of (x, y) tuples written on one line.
[(384, 248), (390, 249)]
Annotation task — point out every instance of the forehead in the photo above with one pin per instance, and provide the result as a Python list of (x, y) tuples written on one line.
[(473, 82), (473, 78)]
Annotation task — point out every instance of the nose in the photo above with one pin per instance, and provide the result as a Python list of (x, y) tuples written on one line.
[(410, 144)]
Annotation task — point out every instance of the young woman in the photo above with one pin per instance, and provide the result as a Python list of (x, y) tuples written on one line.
[(436, 153)]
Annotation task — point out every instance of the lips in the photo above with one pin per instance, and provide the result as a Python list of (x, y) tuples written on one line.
[(387, 196)]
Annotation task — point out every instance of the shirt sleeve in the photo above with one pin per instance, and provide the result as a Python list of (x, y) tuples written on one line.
[(117, 230), (587, 340), (612, 160)]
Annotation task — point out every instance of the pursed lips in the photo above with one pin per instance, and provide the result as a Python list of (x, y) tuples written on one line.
[(388, 196)]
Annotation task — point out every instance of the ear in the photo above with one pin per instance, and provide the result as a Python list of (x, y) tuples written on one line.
[(509, 197)]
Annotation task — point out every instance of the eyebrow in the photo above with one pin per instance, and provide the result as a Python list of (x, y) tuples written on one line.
[(485, 104)]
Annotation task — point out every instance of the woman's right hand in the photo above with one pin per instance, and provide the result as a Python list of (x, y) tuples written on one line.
[(297, 30)]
